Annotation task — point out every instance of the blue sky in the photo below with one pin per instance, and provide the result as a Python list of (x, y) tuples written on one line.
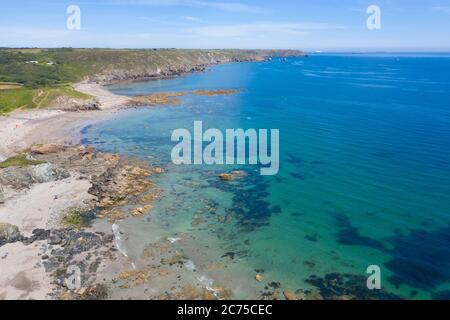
[(411, 25)]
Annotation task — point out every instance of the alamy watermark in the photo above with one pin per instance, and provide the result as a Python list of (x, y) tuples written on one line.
[(234, 147), (374, 20), (374, 280), (74, 20), (73, 281)]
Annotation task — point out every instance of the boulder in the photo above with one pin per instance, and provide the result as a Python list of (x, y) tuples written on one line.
[(16, 177), (20, 178), (9, 233), (47, 172)]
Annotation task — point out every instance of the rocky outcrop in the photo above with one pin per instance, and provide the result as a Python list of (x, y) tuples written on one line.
[(24, 177), (212, 93), (171, 63), (9, 233), (70, 104), (156, 99)]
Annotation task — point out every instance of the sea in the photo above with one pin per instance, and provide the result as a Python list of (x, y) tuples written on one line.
[(364, 175)]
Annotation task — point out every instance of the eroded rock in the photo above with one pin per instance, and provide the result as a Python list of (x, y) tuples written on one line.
[(9, 233)]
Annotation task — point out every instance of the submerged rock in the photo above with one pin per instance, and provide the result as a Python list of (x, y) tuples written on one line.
[(133, 278), (226, 177), (137, 212), (337, 286), (289, 295), (158, 170), (259, 278)]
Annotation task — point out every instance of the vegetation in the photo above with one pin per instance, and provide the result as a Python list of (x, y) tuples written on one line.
[(19, 161), (28, 98), (15, 99), (75, 218)]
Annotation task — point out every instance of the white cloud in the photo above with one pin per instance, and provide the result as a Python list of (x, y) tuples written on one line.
[(193, 19)]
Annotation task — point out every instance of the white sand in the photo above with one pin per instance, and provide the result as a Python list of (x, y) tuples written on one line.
[(107, 99), (22, 275), (40, 206)]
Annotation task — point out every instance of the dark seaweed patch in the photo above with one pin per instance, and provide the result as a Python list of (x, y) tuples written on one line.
[(421, 258), (294, 159), (349, 235), (250, 206), (347, 286), (312, 238), (297, 176), (280, 179), (297, 214), (441, 295)]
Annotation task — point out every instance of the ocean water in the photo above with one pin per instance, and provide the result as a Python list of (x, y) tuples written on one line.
[(364, 177)]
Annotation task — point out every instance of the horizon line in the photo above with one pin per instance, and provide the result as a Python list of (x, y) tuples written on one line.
[(312, 51)]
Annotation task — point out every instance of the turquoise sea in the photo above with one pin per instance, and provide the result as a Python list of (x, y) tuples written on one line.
[(364, 177)]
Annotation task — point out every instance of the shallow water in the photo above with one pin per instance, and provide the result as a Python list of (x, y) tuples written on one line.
[(364, 178)]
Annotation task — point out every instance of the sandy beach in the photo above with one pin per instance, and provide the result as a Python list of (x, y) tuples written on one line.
[(21, 129), (40, 206)]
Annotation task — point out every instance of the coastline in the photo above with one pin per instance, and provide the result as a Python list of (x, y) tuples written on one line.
[(38, 208), (160, 269), (40, 205)]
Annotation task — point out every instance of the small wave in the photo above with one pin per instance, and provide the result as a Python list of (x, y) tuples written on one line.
[(173, 240), (368, 85), (203, 279), (188, 264), (119, 242)]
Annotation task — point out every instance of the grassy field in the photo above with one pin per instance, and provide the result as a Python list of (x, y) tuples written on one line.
[(29, 98)]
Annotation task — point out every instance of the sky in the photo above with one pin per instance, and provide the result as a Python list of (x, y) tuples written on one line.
[(326, 25)]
